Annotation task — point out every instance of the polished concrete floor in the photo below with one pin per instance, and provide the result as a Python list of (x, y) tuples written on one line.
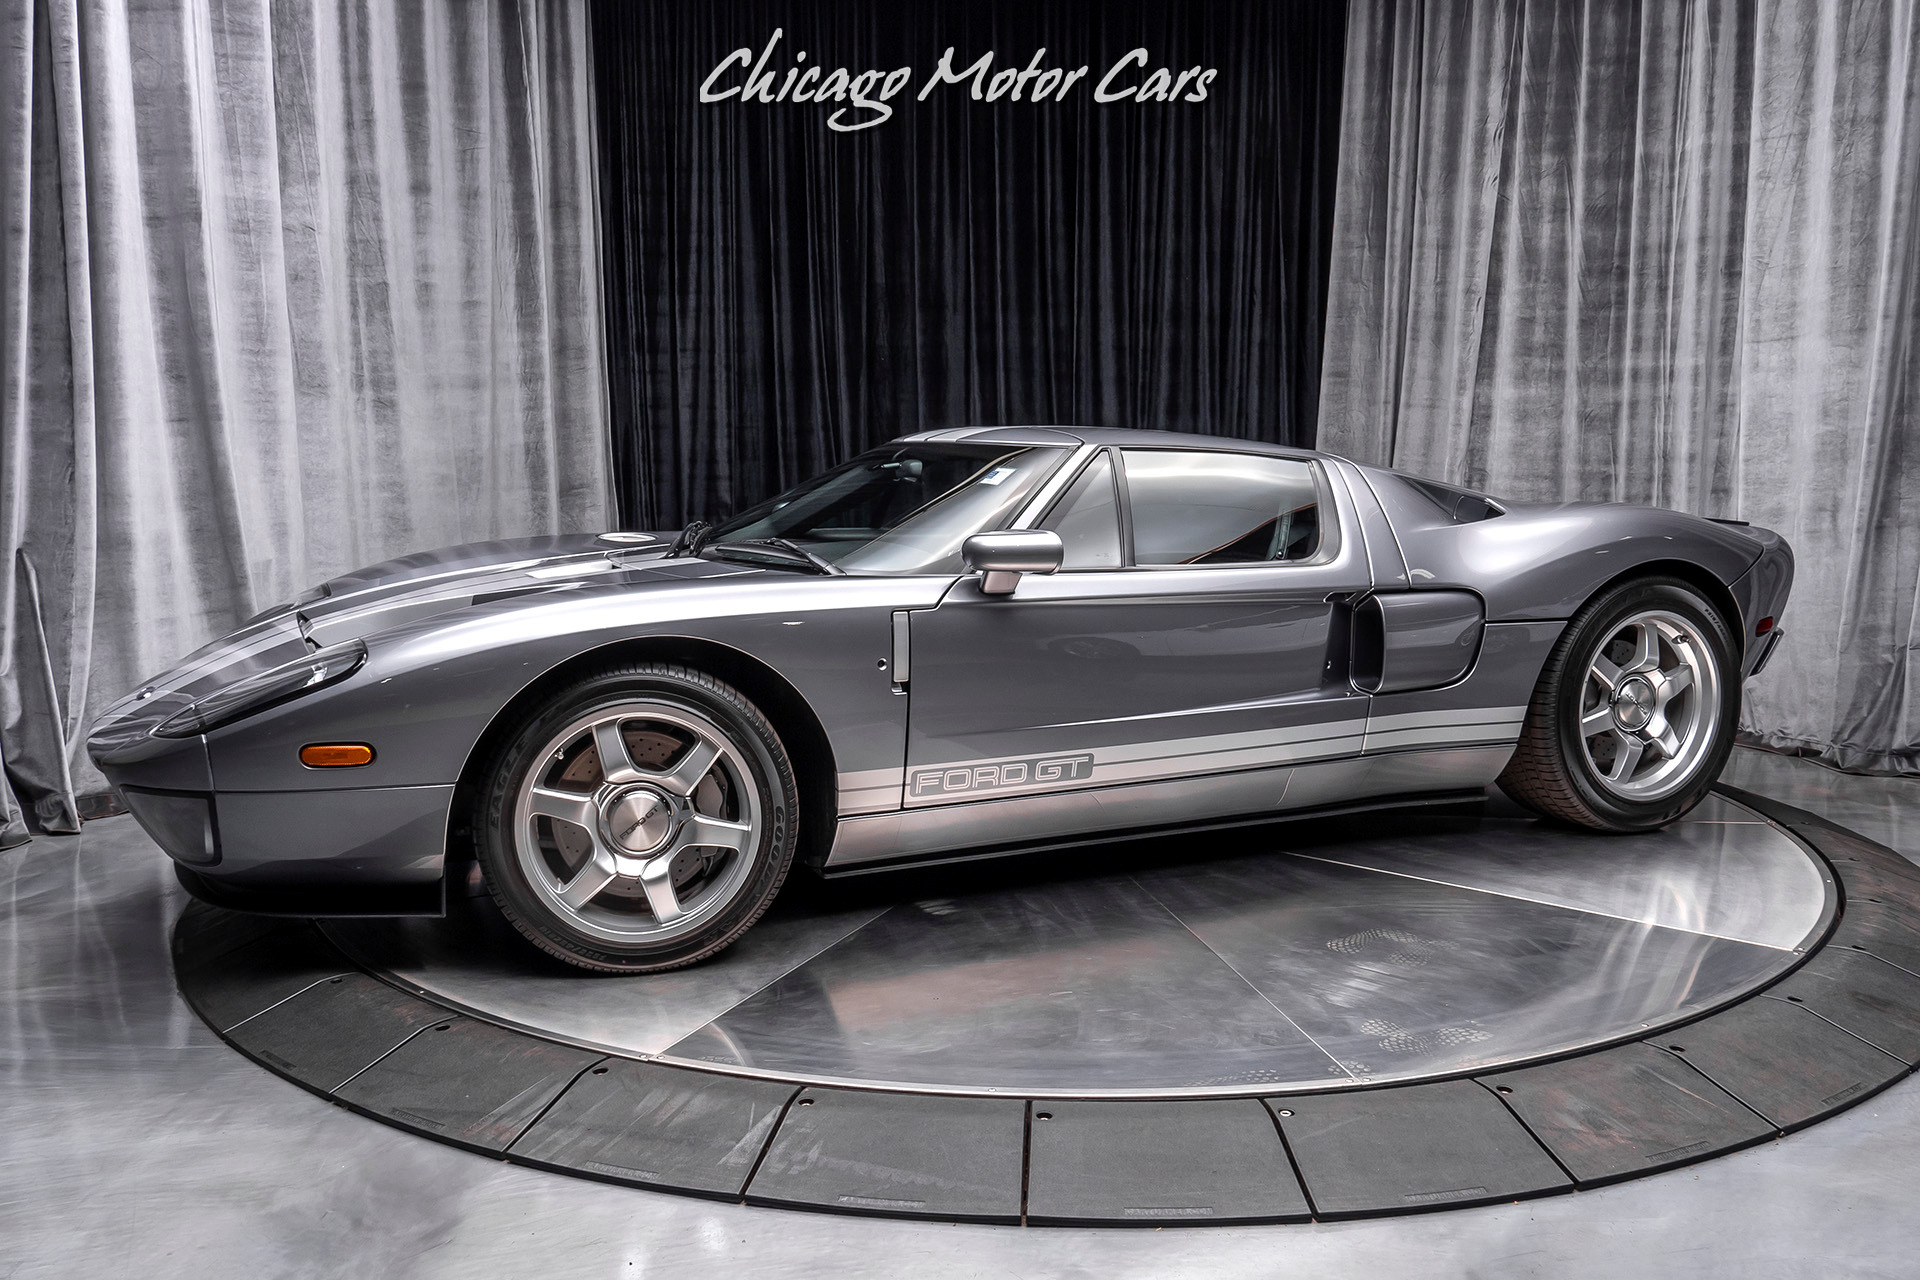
[(133, 1141)]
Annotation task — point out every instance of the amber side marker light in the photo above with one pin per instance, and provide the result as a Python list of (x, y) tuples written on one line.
[(335, 755)]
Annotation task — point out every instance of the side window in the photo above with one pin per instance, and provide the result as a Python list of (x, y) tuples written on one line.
[(1220, 508), (1087, 518)]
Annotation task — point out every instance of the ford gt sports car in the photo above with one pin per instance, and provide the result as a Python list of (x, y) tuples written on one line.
[(965, 642)]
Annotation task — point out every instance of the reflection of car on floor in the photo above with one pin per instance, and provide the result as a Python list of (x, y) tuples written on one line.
[(964, 642)]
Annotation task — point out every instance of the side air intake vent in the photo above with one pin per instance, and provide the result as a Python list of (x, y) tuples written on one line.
[(1462, 506), (1369, 645), (1408, 640)]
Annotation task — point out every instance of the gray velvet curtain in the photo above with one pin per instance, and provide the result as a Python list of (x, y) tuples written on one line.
[(1660, 253), (286, 286)]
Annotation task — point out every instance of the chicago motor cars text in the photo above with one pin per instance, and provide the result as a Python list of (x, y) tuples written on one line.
[(868, 93)]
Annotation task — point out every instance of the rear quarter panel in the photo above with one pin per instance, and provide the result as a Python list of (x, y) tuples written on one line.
[(1543, 562)]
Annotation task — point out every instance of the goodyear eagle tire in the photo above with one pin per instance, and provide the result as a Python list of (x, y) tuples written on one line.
[(642, 820), (1634, 713)]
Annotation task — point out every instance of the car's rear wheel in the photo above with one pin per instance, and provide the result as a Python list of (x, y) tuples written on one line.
[(1634, 713), (642, 820)]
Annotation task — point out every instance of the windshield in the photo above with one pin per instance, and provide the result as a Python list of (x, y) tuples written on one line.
[(901, 509)]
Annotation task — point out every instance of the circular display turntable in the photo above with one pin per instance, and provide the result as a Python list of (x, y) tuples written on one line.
[(1382, 1013)]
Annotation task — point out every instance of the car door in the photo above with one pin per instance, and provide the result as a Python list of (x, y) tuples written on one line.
[(1191, 632)]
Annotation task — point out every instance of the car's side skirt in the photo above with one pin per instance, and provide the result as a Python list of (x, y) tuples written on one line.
[(1466, 799), (1029, 820)]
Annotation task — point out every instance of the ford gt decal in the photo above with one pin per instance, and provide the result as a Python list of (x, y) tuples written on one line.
[(969, 779)]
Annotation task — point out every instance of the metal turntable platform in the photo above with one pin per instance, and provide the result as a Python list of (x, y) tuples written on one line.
[(1382, 1013)]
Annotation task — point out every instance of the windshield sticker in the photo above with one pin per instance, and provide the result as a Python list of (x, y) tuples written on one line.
[(996, 475)]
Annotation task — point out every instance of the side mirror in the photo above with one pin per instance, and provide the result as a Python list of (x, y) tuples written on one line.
[(1004, 555)]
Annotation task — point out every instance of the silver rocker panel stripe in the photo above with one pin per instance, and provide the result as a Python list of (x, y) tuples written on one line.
[(1033, 819), (1444, 728), (962, 781), (870, 790), (965, 780)]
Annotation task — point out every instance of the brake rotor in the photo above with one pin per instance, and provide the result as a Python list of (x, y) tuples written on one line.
[(650, 749)]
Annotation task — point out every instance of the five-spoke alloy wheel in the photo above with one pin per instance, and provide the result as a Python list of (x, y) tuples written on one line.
[(1651, 705), (1634, 713), (640, 821)]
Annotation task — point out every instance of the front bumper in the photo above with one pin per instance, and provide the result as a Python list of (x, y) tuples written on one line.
[(373, 835), (264, 839), (305, 846), (365, 851)]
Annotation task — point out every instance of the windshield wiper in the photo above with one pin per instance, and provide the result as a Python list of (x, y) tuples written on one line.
[(772, 551), (691, 539)]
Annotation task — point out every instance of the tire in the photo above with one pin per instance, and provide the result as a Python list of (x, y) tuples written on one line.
[(1578, 760), (662, 860)]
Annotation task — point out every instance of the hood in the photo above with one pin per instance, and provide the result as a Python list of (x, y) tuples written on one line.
[(411, 589), (501, 554)]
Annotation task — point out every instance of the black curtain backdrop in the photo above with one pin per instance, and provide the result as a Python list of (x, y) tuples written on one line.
[(781, 295)]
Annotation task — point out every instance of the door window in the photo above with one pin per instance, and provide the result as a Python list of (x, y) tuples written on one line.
[(1087, 518), (1220, 508), (903, 508)]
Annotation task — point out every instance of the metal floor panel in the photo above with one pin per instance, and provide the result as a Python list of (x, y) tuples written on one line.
[(1330, 954), (466, 1082), (1411, 1148), (475, 959), (335, 1029), (1877, 884), (1159, 1163), (1626, 1111), (1402, 979), (1792, 1066), (1728, 879), (897, 1155), (231, 984), (658, 1126), (1887, 929), (1861, 994), (1080, 985)]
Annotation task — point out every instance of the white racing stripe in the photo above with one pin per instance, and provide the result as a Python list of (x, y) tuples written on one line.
[(959, 780), (956, 781), (870, 790), (1460, 727)]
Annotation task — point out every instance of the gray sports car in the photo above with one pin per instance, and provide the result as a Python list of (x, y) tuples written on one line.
[(963, 643)]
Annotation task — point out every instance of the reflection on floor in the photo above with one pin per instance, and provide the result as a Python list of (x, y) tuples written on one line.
[(1375, 947), (132, 1135), (1263, 969)]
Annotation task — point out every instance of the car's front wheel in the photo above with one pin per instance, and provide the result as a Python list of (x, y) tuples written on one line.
[(1634, 713), (642, 820)]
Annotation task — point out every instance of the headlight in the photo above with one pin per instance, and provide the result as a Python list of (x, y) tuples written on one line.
[(268, 689)]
